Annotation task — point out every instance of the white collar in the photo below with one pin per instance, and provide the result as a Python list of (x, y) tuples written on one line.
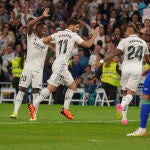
[(68, 30), (133, 35)]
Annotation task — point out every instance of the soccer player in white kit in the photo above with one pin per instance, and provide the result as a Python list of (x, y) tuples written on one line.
[(134, 50), (64, 42), (33, 69)]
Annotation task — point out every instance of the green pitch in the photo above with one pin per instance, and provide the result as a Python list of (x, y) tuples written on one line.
[(94, 128)]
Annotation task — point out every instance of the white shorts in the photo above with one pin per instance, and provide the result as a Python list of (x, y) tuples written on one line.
[(29, 76), (60, 75), (130, 81)]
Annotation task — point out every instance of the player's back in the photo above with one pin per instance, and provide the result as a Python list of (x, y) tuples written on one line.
[(65, 41), (134, 50)]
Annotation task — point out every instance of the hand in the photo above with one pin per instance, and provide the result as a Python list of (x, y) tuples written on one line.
[(45, 13), (96, 65), (96, 31), (10, 78)]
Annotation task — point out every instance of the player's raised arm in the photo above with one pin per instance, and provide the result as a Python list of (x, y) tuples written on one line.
[(111, 54), (33, 22), (90, 42)]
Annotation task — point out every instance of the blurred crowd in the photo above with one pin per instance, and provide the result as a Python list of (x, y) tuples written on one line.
[(112, 16)]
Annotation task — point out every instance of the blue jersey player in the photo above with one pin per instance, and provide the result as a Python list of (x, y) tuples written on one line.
[(145, 107)]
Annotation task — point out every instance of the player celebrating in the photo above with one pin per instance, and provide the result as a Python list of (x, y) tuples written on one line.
[(145, 107), (33, 69), (134, 50), (64, 41)]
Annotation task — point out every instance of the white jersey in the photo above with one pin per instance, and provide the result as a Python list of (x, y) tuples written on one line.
[(134, 50), (65, 41), (36, 53)]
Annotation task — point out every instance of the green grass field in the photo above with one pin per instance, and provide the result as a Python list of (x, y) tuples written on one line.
[(94, 128)]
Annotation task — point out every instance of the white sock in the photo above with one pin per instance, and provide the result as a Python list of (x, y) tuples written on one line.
[(142, 129), (68, 96), (43, 95), (18, 102), (125, 103), (35, 95)]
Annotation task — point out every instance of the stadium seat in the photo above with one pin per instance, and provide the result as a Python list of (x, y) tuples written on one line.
[(6, 94), (101, 97), (80, 91)]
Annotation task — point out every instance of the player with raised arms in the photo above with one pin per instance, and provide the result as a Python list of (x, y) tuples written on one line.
[(64, 42), (33, 69)]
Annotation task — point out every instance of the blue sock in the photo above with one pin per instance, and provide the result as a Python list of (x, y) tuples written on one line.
[(144, 114)]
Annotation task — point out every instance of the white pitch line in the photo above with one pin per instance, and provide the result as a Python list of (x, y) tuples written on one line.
[(61, 122)]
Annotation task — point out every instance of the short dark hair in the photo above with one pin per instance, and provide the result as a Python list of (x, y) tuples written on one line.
[(115, 42), (100, 43), (30, 19), (39, 24), (80, 49), (72, 21), (89, 66)]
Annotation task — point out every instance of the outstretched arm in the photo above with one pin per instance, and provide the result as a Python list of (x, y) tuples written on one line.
[(90, 42), (108, 57), (47, 40), (112, 54), (33, 22)]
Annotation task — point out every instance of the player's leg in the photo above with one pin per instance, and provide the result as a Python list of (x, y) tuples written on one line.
[(144, 114), (131, 87), (53, 83), (24, 83), (145, 101), (125, 103), (145, 109), (36, 87), (35, 93), (18, 102), (124, 79), (69, 94), (69, 81)]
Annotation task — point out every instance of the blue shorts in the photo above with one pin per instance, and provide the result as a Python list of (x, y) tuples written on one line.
[(146, 85)]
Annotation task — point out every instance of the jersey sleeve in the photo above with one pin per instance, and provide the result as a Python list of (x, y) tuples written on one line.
[(31, 35), (54, 36), (78, 39), (121, 45)]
